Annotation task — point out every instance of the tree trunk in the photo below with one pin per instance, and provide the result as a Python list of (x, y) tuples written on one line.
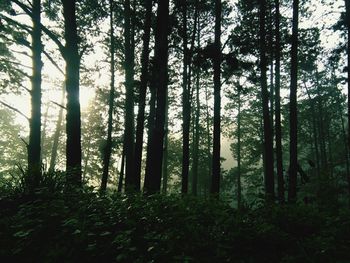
[(196, 135), (278, 127), (108, 147), (186, 112), (56, 136), (143, 90), (347, 17), (209, 155), (73, 126), (34, 148), (121, 173), (293, 143), (268, 142), (215, 182), (165, 151), (160, 82), (129, 101), (239, 186)]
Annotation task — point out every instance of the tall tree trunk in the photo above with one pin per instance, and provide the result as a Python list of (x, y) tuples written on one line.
[(34, 148), (121, 172), (165, 150), (108, 147), (347, 17), (56, 136), (346, 150), (43, 133), (129, 101), (150, 125), (196, 133), (278, 127), (239, 186), (215, 181), (268, 142), (143, 91), (293, 121), (160, 82), (186, 111), (209, 155), (321, 129), (73, 125)]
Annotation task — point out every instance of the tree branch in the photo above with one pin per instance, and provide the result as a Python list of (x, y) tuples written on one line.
[(14, 109)]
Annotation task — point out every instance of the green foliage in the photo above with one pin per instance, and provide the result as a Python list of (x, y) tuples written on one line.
[(83, 226)]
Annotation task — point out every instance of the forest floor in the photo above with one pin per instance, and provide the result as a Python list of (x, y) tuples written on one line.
[(83, 226)]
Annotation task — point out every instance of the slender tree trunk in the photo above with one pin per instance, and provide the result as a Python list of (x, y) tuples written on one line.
[(196, 135), (268, 142), (108, 148), (121, 173), (293, 143), (43, 134), (346, 150), (215, 182), (347, 15), (165, 151), (34, 148), (150, 125), (129, 101), (239, 186), (73, 124), (56, 136), (186, 111), (278, 127), (143, 91), (209, 155), (160, 82)]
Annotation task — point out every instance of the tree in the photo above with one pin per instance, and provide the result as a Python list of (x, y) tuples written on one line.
[(143, 90), (278, 128), (186, 107), (129, 101), (34, 147), (108, 147), (160, 82), (292, 186), (268, 142), (215, 183), (73, 125), (347, 21)]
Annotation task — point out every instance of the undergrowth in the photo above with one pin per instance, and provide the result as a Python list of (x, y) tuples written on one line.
[(84, 226)]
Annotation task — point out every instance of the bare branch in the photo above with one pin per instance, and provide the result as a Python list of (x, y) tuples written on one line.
[(59, 105), (53, 62), (14, 109)]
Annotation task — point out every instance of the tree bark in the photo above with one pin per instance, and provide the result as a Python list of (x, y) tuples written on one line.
[(73, 127), (239, 186), (215, 182), (34, 148), (347, 17), (108, 147), (293, 143), (165, 151), (196, 133), (278, 127), (143, 91), (129, 101), (186, 111), (121, 173), (160, 82), (268, 142)]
